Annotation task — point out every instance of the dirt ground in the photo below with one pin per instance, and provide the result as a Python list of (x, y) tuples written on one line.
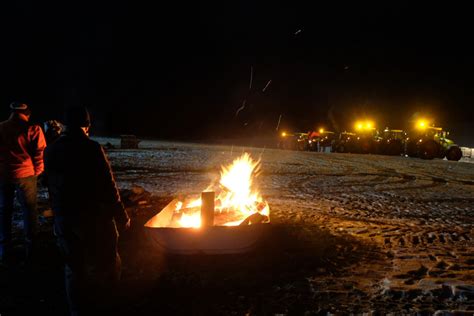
[(349, 234)]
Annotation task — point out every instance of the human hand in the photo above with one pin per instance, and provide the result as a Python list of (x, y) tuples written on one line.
[(127, 225)]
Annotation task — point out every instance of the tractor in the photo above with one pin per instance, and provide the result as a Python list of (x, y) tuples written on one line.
[(392, 142), (293, 141), (346, 143), (367, 138), (302, 141), (321, 140), (287, 141), (428, 142)]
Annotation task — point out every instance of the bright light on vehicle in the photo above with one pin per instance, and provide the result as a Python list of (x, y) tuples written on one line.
[(364, 125), (321, 130), (283, 134), (421, 124)]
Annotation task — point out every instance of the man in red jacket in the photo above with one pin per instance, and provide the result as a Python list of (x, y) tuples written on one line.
[(21, 161)]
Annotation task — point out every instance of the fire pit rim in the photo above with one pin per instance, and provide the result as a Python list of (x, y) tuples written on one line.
[(206, 240)]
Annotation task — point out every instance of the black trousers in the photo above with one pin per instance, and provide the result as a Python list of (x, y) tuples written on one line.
[(92, 264)]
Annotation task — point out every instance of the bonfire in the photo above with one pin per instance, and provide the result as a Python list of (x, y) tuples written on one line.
[(234, 200)]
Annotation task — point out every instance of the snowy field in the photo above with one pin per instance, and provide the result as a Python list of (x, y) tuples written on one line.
[(400, 229)]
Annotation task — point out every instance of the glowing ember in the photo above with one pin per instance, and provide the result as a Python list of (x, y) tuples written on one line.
[(236, 198), (190, 220)]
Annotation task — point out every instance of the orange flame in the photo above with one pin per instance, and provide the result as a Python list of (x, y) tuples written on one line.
[(236, 197)]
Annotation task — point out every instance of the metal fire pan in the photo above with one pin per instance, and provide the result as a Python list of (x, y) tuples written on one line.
[(209, 240)]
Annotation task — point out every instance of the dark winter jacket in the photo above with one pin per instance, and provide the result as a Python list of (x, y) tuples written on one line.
[(81, 184), (21, 148)]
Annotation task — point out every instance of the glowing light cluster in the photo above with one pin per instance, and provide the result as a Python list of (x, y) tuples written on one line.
[(364, 125), (422, 124)]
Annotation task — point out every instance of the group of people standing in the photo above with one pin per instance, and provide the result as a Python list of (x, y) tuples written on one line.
[(88, 212)]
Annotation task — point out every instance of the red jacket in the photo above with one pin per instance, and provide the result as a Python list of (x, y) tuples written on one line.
[(21, 148)]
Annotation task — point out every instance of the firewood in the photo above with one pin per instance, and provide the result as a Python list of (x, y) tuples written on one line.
[(255, 218), (207, 208)]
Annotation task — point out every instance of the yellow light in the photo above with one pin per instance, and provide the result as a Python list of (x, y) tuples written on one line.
[(321, 130), (421, 124), (283, 134), (369, 125), (359, 125)]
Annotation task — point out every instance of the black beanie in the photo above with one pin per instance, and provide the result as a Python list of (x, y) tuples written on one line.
[(77, 117)]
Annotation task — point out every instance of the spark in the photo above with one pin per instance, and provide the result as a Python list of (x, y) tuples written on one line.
[(261, 153), (267, 85), (251, 77), (278, 124), (241, 108), (298, 32)]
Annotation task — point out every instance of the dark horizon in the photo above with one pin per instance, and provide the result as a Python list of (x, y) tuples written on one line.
[(183, 72)]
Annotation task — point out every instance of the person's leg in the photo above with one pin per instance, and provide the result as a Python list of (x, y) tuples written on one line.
[(107, 265), (109, 261), (7, 194), (26, 193), (74, 279), (72, 252)]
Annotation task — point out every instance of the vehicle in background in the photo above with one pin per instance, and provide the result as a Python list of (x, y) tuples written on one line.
[(392, 142), (367, 138), (428, 141), (321, 140), (345, 143), (302, 141), (293, 141), (425, 141)]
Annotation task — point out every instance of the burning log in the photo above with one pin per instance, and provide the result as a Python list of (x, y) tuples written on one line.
[(207, 208), (255, 218)]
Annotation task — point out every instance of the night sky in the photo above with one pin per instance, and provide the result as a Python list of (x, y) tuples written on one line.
[(183, 71)]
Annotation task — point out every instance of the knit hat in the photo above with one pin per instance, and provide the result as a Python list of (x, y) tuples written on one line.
[(77, 117)]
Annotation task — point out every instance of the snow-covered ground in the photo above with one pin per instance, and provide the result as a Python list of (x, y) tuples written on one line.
[(411, 219)]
